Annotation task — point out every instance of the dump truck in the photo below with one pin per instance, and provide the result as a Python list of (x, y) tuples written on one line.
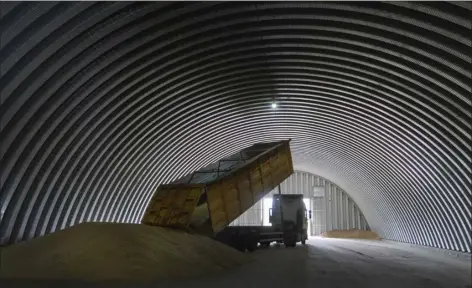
[(289, 222), (208, 200), (289, 216)]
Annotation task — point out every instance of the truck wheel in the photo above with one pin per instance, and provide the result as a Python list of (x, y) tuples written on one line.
[(251, 246), (290, 239), (251, 241), (238, 244), (290, 244), (304, 236), (240, 247)]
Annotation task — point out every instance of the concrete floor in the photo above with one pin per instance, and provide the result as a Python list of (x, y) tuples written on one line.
[(347, 263), (335, 263)]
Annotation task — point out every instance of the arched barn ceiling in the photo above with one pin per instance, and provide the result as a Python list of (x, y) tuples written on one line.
[(102, 102)]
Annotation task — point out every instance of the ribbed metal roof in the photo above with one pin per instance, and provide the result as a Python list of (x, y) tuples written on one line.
[(102, 102)]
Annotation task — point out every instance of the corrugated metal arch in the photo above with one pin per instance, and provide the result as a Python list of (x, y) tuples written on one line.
[(102, 102)]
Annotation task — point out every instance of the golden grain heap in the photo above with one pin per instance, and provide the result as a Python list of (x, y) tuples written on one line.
[(100, 251)]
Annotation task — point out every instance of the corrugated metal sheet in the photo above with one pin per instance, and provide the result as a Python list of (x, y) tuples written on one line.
[(333, 210), (101, 102)]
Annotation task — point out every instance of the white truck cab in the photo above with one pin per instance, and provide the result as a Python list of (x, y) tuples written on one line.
[(289, 214)]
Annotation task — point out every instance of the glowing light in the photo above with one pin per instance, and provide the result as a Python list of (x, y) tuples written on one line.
[(274, 105)]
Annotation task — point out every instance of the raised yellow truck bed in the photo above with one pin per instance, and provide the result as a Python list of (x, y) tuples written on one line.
[(211, 198)]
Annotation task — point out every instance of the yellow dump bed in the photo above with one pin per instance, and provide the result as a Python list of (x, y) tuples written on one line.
[(219, 193)]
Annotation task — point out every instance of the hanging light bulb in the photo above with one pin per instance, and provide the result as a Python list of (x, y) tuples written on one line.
[(274, 105)]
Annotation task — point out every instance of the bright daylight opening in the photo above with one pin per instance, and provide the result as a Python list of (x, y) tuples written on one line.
[(308, 208), (266, 205)]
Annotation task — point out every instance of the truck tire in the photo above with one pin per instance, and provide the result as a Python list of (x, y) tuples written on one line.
[(251, 245), (290, 239), (251, 240), (290, 242), (240, 247), (238, 243)]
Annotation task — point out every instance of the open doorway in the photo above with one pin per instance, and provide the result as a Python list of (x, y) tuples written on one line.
[(308, 208), (266, 205)]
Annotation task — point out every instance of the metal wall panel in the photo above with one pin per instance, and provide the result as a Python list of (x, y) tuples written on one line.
[(333, 211), (252, 217)]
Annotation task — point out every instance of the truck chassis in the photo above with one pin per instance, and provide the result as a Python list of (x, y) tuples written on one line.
[(249, 238)]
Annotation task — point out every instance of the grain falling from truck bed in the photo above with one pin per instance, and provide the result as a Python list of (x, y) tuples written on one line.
[(100, 251)]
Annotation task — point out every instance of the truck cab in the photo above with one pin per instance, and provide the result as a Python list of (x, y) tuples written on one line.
[(290, 216)]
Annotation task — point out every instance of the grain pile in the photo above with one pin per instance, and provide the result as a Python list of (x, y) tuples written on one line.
[(355, 234), (101, 251)]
